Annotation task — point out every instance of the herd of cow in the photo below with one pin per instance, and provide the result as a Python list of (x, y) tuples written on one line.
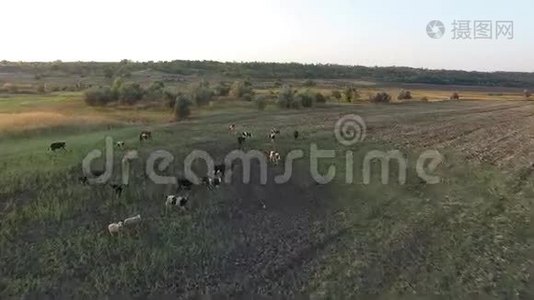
[(180, 201)]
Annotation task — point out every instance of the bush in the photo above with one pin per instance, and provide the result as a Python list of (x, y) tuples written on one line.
[(242, 89), (261, 102), (351, 94), (455, 96), (131, 93), (305, 99), (278, 83), (424, 99), (170, 98), (98, 96), (320, 98), (336, 94), (222, 89), (309, 83), (404, 95), (116, 87), (285, 97), (201, 93), (41, 88), (155, 91), (182, 107), (381, 97), (527, 94)]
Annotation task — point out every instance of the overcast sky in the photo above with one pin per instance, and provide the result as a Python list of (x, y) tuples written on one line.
[(377, 32)]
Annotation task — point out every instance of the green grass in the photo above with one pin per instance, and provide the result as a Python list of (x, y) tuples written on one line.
[(466, 235)]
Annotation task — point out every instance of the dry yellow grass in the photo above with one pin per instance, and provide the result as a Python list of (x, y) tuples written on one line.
[(41, 119)]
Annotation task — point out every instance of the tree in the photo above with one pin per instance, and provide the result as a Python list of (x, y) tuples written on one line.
[(305, 99), (201, 93), (98, 96), (130, 93), (242, 90), (285, 97), (182, 107)]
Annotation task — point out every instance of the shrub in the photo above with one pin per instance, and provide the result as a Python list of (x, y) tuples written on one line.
[(320, 98), (261, 102), (351, 94), (170, 98), (404, 95), (222, 89), (108, 72), (182, 107), (115, 88), (98, 96), (309, 83), (155, 91), (305, 99), (201, 93), (242, 89), (336, 94), (381, 97), (527, 94), (10, 88), (424, 99), (455, 96), (285, 97), (130, 93), (41, 88), (278, 83)]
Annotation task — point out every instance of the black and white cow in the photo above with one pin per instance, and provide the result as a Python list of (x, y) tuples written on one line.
[(246, 134), (212, 182), (117, 188), (184, 184), (120, 144), (274, 157), (232, 128), (58, 145), (179, 201), (296, 134), (241, 140), (145, 135)]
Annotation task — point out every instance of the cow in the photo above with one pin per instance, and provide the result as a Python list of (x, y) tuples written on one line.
[(184, 184), (296, 134), (117, 188), (246, 134), (145, 136), (232, 128), (241, 140), (57, 145), (120, 144), (274, 157), (180, 201)]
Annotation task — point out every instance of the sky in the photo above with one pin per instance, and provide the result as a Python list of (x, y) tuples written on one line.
[(350, 32)]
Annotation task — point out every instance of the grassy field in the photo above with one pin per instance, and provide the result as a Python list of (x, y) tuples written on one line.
[(469, 234)]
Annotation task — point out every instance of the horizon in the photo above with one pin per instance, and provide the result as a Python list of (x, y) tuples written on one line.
[(262, 62), (342, 32)]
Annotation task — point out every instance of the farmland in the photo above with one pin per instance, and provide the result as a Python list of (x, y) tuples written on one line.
[(468, 234)]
